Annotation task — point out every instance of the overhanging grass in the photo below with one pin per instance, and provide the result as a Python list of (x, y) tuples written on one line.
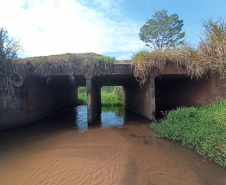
[(209, 56), (70, 63), (203, 128)]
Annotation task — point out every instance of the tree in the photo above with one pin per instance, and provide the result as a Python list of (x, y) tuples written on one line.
[(9, 48), (162, 31)]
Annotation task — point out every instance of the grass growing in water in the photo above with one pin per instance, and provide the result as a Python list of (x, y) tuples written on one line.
[(203, 128)]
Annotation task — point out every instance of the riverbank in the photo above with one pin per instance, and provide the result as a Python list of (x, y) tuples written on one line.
[(203, 128)]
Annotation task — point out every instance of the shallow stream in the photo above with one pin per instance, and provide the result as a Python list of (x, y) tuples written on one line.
[(118, 149)]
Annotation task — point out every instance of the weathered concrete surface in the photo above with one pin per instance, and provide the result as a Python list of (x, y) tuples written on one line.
[(217, 88), (172, 91), (141, 100), (93, 89), (36, 99)]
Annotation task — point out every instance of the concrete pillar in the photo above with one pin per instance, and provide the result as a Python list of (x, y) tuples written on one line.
[(141, 100), (93, 90)]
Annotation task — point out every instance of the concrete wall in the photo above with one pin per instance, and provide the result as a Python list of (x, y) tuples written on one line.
[(217, 88), (93, 89), (36, 99), (141, 100), (169, 91)]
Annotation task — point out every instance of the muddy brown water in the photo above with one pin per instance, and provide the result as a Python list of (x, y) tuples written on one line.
[(117, 150)]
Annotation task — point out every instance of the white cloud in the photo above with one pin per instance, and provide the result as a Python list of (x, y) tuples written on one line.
[(48, 27)]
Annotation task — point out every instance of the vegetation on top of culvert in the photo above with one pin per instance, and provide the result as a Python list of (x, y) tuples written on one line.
[(68, 62), (209, 56), (77, 58), (203, 128)]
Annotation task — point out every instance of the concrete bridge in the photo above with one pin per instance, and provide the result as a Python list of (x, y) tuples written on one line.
[(163, 90)]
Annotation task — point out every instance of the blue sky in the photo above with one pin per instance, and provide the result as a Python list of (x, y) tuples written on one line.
[(110, 27)]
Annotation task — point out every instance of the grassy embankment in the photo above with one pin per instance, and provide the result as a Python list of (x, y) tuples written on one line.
[(109, 96), (203, 128)]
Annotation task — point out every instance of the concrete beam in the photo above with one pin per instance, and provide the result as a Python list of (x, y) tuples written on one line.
[(93, 90)]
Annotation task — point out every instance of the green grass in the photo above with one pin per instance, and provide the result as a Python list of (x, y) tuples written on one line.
[(106, 59), (203, 128), (82, 99), (107, 99)]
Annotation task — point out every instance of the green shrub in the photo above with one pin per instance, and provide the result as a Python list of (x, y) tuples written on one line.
[(203, 128)]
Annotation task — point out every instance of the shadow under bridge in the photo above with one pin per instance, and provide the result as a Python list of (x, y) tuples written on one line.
[(140, 100)]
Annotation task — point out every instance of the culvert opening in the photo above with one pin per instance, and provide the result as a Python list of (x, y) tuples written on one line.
[(111, 95), (172, 91), (82, 97)]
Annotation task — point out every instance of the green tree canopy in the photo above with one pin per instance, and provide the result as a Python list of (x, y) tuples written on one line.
[(162, 31)]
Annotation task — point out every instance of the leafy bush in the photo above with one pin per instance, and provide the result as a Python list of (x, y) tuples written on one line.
[(203, 128)]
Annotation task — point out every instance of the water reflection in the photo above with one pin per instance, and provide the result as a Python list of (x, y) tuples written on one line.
[(81, 118), (111, 116)]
